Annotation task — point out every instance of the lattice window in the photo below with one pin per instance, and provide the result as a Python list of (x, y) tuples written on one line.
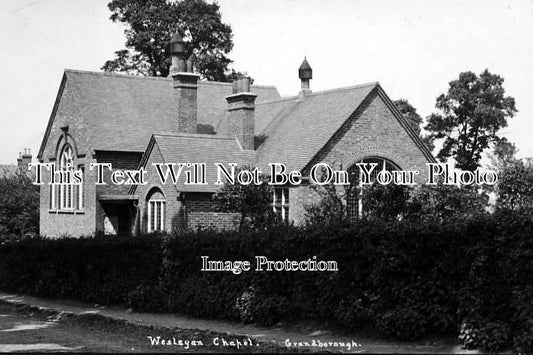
[(156, 211), (355, 199), (280, 203), (66, 191)]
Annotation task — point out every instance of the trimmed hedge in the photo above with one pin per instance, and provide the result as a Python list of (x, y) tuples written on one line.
[(100, 270), (473, 277)]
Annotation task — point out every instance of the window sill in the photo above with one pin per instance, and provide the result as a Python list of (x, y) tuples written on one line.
[(66, 211)]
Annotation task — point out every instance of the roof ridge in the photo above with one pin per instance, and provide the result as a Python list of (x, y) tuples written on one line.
[(346, 88), (222, 83), (329, 91), (141, 77), (119, 75), (192, 135)]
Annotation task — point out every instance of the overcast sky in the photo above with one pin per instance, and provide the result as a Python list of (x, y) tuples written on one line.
[(413, 48)]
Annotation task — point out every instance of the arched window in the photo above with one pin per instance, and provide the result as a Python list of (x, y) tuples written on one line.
[(156, 211), (355, 202), (66, 191)]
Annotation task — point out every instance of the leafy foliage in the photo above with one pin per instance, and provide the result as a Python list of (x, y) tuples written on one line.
[(515, 185), (103, 270), (394, 202), (414, 120), (332, 208), (446, 202), (409, 279), (503, 153), (19, 206), (253, 202), (471, 113), (150, 25)]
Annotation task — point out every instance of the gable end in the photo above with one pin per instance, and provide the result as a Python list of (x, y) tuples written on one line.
[(52, 116)]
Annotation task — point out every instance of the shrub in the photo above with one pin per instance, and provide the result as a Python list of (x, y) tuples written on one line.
[(471, 276), (352, 313), (404, 322), (19, 207), (102, 270)]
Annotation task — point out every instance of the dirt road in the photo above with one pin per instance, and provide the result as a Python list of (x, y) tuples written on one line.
[(27, 331)]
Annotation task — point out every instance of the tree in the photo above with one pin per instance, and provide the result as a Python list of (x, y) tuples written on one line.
[(515, 185), (19, 206), (444, 202), (252, 202), (471, 113), (414, 120), (150, 25), (409, 112), (503, 153)]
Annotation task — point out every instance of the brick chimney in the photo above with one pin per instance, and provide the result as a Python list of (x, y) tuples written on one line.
[(185, 84), (24, 159), (241, 112), (305, 73)]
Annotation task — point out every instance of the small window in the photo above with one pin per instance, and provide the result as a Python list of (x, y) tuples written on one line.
[(52, 204), (156, 215), (79, 189), (281, 202)]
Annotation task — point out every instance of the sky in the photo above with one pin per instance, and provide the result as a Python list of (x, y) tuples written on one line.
[(414, 48)]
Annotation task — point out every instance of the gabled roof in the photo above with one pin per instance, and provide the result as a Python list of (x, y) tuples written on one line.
[(122, 111), (296, 129), (197, 148)]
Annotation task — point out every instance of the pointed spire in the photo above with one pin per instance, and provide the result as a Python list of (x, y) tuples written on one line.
[(305, 73), (177, 45), (305, 67)]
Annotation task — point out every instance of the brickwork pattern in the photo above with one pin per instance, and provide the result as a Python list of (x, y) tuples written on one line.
[(186, 98), (241, 122), (373, 131)]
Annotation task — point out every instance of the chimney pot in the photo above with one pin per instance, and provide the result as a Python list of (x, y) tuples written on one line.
[(24, 159), (190, 64), (245, 84)]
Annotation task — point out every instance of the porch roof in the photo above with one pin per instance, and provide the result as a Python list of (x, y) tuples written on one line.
[(118, 198)]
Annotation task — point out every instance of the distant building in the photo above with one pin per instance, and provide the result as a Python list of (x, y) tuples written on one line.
[(23, 160), (133, 121)]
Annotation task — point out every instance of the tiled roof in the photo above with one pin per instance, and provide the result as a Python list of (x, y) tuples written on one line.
[(122, 111), (200, 148), (296, 129)]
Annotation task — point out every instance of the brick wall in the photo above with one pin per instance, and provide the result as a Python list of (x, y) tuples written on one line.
[(69, 128), (200, 212), (119, 161), (174, 208), (187, 210), (75, 223), (373, 131)]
